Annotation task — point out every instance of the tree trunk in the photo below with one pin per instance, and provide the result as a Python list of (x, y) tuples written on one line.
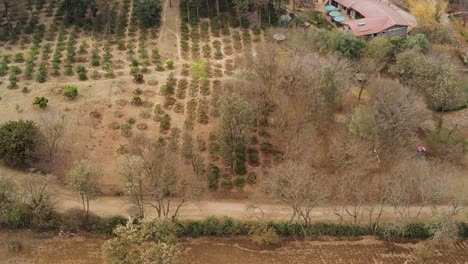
[(7, 15), (170, 3), (217, 8), (360, 93), (188, 10), (238, 15), (294, 5)]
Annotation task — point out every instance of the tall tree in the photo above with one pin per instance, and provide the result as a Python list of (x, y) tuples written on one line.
[(134, 185), (297, 184), (106, 10), (84, 178), (236, 122)]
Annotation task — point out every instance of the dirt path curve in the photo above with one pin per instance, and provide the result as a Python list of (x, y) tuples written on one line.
[(169, 38)]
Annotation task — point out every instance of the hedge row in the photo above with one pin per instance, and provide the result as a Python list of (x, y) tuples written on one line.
[(212, 226), (20, 216)]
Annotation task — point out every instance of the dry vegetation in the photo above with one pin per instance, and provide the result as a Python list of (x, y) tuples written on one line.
[(175, 102)]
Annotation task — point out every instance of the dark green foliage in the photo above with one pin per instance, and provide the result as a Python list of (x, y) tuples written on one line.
[(415, 230), (148, 12), (213, 175), (106, 226), (252, 178), (42, 74), (18, 142), (138, 77), (165, 123), (81, 70), (226, 185), (18, 216), (245, 22), (41, 101), (350, 46), (253, 157), (239, 182), (463, 230), (239, 161)]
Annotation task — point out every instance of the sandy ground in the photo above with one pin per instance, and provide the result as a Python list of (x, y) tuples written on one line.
[(48, 248)]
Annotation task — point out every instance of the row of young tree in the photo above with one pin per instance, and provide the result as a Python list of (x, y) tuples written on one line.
[(267, 11), (100, 12)]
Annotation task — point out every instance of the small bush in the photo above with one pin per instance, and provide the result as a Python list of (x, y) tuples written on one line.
[(70, 92), (170, 64), (239, 182), (252, 178), (226, 185), (138, 77), (213, 175), (81, 71), (165, 123), (41, 101)]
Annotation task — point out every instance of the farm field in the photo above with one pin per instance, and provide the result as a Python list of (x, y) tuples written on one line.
[(219, 131)]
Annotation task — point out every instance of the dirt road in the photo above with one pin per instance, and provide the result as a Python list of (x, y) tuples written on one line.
[(65, 200)]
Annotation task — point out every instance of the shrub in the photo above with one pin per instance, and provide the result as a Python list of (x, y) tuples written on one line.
[(252, 178), (159, 67), (18, 142), (213, 175), (41, 101), (42, 75), (170, 64), (138, 77), (245, 22), (19, 216), (106, 225), (264, 235), (70, 92), (126, 129), (253, 157), (137, 101), (226, 185), (19, 57), (239, 182), (81, 70), (165, 123)]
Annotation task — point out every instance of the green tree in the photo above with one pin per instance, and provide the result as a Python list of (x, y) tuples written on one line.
[(236, 121), (350, 46), (18, 142), (84, 178), (149, 12)]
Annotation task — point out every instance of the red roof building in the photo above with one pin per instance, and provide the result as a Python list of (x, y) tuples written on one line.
[(372, 18)]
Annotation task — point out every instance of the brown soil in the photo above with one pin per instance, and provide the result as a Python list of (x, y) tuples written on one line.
[(29, 247)]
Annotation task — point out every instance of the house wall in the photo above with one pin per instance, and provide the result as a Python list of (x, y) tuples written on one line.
[(395, 31)]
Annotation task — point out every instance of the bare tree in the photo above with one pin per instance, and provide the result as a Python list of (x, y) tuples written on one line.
[(53, 128), (167, 185), (298, 185), (399, 114), (132, 172)]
